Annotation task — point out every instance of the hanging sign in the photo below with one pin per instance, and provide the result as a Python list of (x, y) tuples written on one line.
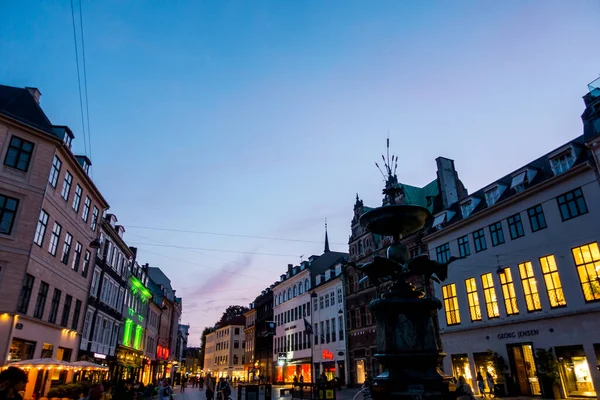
[(100, 356)]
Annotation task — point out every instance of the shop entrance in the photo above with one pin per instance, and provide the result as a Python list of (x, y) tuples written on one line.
[(484, 365), (522, 365), (575, 371), (341, 371), (360, 371)]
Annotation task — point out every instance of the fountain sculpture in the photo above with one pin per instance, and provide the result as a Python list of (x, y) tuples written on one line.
[(408, 338)]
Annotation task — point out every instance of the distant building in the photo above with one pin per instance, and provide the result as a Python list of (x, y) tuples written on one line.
[(251, 370), (49, 217), (292, 342), (328, 319), (364, 246), (224, 354), (183, 331), (192, 360), (132, 364), (104, 314), (165, 365), (531, 273), (263, 342)]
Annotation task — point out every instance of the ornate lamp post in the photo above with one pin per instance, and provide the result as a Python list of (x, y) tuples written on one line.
[(408, 338)]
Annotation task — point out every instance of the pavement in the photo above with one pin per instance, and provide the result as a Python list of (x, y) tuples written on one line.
[(199, 394)]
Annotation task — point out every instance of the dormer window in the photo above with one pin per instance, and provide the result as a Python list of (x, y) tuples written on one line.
[(522, 179), (493, 194), (338, 269), (563, 160), (318, 280), (442, 219), (467, 207), (327, 275)]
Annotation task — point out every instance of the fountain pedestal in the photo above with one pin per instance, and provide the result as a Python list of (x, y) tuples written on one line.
[(408, 339)]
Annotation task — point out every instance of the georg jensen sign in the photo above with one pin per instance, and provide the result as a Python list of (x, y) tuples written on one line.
[(518, 334)]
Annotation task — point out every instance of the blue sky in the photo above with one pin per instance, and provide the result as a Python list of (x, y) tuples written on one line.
[(264, 118)]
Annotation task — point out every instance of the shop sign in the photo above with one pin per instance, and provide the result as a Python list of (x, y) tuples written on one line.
[(100, 356), (281, 356), (327, 355), (19, 326), (518, 334), (290, 327)]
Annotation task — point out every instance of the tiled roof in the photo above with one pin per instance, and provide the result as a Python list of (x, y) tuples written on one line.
[(543, 173), (19, 104)]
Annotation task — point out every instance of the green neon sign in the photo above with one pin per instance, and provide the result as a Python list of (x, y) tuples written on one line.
[(140, 286), (127, 332)]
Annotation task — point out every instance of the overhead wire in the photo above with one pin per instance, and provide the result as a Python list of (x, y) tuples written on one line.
[(216, 250), (228, 234), (87, 103), (79, 79)]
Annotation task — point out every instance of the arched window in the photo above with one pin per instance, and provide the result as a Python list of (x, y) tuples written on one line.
[(284, 296), (352, 250), (294, 292), (275, 302), (360, 247), (300, 288), (289, 293), (306, 284), (280, 298)]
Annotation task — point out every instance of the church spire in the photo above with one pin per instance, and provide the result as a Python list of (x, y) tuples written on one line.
[(326, 238)]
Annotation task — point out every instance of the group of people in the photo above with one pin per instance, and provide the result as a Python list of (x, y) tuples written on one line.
[(464, 391), (12, 381)]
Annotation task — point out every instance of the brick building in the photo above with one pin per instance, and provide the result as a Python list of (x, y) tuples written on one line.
[(49, 210)]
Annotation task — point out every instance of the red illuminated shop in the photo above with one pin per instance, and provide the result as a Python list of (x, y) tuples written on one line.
[(286, 370)]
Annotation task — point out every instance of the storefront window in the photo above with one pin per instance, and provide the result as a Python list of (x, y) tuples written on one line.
[(575, 371), (21, 350), (461, 367), (329, 370), (360, 371)]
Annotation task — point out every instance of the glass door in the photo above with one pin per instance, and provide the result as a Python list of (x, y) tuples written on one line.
[(523, 366)]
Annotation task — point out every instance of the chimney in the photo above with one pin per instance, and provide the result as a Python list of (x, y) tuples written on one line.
[(35, 93), (290, 267), (451, 188)]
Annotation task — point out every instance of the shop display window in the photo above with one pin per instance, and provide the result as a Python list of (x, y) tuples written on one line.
[(461, 367), (21, 350), (575, 371), (360, 371)]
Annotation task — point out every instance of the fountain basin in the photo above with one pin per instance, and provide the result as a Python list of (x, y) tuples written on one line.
[(396, 219)]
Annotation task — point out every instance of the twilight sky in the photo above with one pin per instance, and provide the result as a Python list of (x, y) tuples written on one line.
[(263, 118)]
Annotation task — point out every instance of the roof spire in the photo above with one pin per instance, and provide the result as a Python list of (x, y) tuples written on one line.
[(326, 238)]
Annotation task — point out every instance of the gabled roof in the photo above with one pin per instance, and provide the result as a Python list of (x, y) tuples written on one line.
[(19, 104), (544, 173)]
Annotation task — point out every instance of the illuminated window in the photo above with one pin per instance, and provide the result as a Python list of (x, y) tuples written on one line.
[(451, 304), (553, 284), (508, 291), (489, 293), (587, 259), (532, 296), (474, 308)]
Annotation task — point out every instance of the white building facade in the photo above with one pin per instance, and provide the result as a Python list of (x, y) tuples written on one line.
[(224, 354), (292, 340), (529, 278), (329, 341)]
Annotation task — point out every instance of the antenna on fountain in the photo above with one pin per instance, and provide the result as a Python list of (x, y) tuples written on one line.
[(388, 147), (382, 174)]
